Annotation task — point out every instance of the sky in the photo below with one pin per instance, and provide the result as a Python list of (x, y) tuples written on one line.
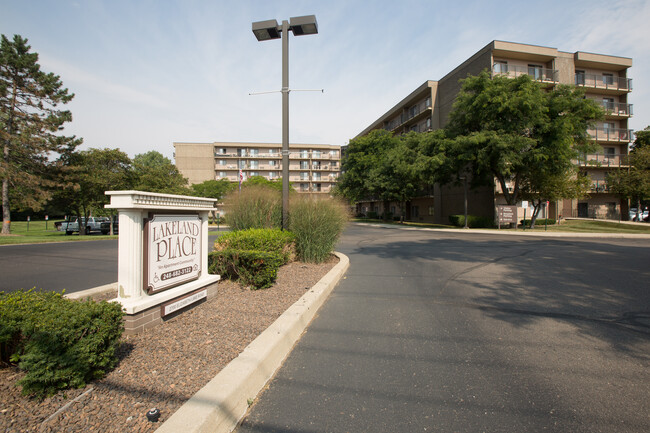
[(148, 73)]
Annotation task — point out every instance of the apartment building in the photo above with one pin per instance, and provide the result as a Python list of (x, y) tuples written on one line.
[(605, 80), (313, 168)]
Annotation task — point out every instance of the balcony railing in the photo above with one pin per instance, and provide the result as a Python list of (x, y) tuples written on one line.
[(408, 114), (606, 82), (538, 74), (600, 160), (599, 186), (611, 134), (617, 108)]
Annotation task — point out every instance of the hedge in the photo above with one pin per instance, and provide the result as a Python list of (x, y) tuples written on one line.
[(539, 222), (258, 269), (269, 240), (473, 221), (60, 343)]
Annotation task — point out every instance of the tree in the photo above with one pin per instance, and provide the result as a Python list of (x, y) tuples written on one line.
[(642, 138), (213, 188), (635, 183), (380, 166), (29, 125), (512, 130), (87, 175), (261, 180), (154, 172)]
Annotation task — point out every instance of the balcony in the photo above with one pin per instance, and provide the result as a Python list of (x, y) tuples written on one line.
[(599, 160), (409, 114), (543, 75), (604, 83), (611, 135), (599, 186), (617, 110)]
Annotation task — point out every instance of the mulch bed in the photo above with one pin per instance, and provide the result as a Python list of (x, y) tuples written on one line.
[(164, 366)]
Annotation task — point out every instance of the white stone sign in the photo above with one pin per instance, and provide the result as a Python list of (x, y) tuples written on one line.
[(172, 251)]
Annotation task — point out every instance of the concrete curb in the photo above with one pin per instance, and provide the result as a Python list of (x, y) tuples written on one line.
[(223, 402), (516, 233), (90, 292)]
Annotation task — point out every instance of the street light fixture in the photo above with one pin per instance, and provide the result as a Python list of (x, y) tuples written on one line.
[(267, 30)]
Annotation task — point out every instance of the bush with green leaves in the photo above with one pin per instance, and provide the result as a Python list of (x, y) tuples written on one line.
[(258, 269), (473, 221), (254, 207), (58, 342), (269, 240), (539, 222), (317, 224)]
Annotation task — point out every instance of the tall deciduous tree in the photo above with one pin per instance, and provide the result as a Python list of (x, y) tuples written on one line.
[(514, 131), (87, 175), (634, 183), (642, 138), (29, 122), (154, 172)]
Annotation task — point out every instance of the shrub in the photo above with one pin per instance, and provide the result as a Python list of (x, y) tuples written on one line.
[(269, 240), (539, 222), (60, 343), (372, 215), (473, 221), (316, 224), (254, 207), (258, 269)]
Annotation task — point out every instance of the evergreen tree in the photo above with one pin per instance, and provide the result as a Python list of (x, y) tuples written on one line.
[(30, 122)]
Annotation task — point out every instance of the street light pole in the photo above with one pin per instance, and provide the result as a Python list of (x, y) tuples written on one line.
[(285, 124), (464, 179), (267, 30)]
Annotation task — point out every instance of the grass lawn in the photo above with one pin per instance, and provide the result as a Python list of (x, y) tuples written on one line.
[(567, 226), (35, 232)]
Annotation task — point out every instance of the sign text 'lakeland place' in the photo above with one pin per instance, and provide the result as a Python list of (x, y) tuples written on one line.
[(172, 251)]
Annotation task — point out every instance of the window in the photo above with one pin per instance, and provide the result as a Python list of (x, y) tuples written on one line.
[(580, 78), (415, 211), (316, 154), (428, 123), (255, 164), (221, 151), (241, 152), (273, 151), (242, 164), (431, 209), (304, 175), (304, 187), (304, 165), (427, 102), (315, 165), (254, 173), (607, 126), (608, 104), (316, 176), (222, 174), (535, 71), (254, 152), (608, 79), (317, 187), (273, 163), (304, 154), (500, 67), (333, 153), (413, 111), (222, 162), (273, 175), (610, 152), (334, 164)]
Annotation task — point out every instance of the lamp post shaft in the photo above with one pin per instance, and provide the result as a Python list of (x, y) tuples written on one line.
[(285, 124)]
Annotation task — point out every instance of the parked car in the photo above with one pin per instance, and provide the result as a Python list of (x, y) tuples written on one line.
[(642, 215), (94, 224)]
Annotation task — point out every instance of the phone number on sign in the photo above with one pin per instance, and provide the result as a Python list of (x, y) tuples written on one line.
[(176, 273)]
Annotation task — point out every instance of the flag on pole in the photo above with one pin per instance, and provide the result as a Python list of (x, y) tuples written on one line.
[(241, 177)]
